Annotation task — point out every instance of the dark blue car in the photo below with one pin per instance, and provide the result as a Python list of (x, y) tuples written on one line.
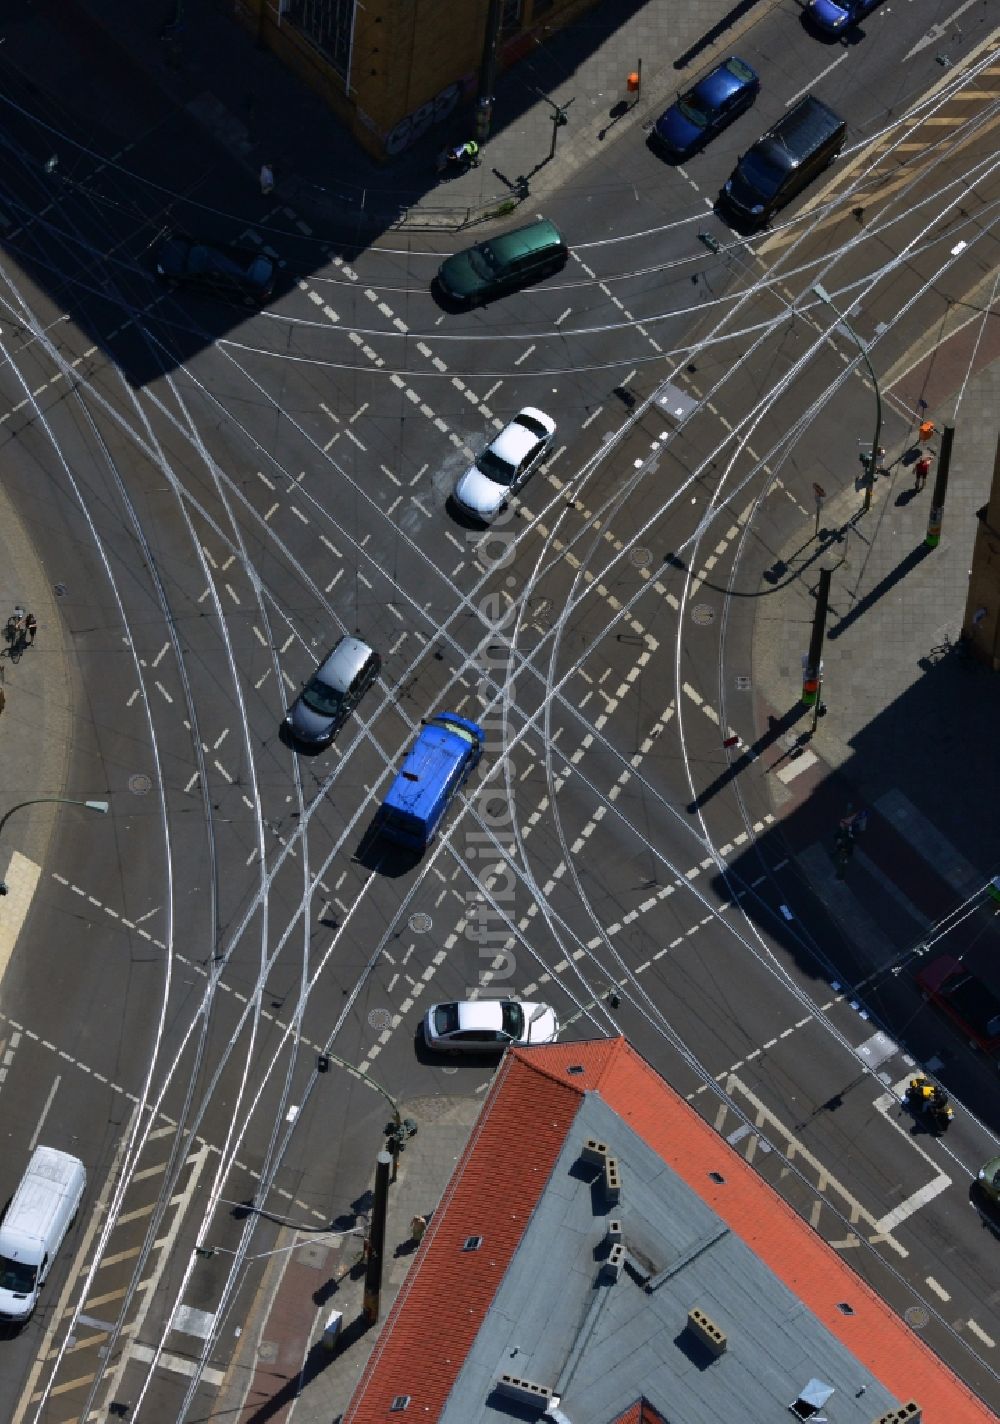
[(831, 17), (705, 110)]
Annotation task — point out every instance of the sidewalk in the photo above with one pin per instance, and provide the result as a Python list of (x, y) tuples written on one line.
[(36, 721), (283, 1369), (910, 729), (258, 110)]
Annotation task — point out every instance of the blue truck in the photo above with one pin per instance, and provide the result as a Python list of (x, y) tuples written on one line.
[(447, 750)]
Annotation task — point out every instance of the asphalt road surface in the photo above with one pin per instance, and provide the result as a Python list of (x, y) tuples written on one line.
[(223, 493)]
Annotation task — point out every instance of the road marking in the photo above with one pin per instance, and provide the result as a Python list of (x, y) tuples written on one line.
[(797, 767), (45, 1112), (180, 1366), (815, 80), (21, 878)]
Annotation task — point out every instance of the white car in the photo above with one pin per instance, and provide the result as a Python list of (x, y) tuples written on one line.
[(488, 1025), (505, 464)]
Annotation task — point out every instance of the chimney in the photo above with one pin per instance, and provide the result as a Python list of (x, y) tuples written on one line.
[(709, 1333)]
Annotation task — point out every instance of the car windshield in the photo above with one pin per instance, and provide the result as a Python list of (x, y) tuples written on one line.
[(513, 1019), (446, 1018), (497, 469), (530, 423), (322, 698), (16, 1276), (759, 174), (482, 260), (692, 110)]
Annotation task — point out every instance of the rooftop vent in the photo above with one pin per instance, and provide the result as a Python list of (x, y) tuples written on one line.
[(908, 1413), (706, 1331), (612, 1180), (526, 1392), (399, 1404), (611, 1269), (472, 1243), (576, 1068), (811, 1399)]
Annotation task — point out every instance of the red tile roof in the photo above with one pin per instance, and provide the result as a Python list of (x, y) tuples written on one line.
[(532, 1104), (493, 1191)]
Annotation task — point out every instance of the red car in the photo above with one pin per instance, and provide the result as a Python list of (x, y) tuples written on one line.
[(971, 1003)]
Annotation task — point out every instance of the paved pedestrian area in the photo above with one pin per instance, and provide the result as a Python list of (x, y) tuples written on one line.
[(284, 1368), (259, 111)]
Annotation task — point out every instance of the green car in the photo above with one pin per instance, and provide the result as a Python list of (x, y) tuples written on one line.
[(502, 264)]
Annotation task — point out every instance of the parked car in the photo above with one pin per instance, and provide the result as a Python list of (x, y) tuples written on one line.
[(333, 691), (488, 1025), (502, 264), (780, 164), (989, 1181), (832, 17), (967, 1001), (701, 113), (236, 273), (505, 464)]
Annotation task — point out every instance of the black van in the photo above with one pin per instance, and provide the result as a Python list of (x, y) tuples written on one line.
[(780, 164)]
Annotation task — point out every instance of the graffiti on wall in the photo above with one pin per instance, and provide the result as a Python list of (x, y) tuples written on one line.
[(434, 112)]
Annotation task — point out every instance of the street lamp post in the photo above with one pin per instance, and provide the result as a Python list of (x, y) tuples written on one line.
[(101, 806), (862, 346), (400, 1129)]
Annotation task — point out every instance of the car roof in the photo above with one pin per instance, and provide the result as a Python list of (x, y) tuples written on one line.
[(480, 1013), (535, 236), (723, 81), (343, 663), (513, 442)]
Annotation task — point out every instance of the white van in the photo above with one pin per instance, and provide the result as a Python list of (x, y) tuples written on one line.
[(34, 1225)]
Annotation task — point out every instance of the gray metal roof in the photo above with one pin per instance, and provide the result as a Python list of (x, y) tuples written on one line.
[(603, 1345)]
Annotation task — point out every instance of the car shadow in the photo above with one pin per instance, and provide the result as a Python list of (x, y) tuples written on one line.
[(463, 517)]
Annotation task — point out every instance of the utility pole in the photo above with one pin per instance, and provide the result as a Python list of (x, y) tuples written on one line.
[(934, 520), (812, 663), (488, 71), (559, 119), (376, 1240)]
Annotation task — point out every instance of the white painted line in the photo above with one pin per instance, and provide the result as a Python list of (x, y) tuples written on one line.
[(177, 1364), (815, 80), (45, 1112), (798, 766), (920, 1198)]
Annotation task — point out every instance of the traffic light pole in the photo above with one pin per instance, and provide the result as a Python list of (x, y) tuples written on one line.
[(376, 1240), (934, 520), (812, 667)]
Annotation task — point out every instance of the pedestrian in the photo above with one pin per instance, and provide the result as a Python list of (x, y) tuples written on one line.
[(266, 180), (30, 628), (920, 472), (3, 699), (15, 626)]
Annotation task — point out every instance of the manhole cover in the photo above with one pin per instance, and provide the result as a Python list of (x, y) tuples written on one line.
[(702, 614), (641, 557), (916, 1316), (140, 783), (420, 922), (449, 1070), (60, 590), (379, 1018)]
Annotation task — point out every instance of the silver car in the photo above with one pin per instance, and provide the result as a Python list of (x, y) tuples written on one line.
[(505, 464), (488, 1025), (333, 691)]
